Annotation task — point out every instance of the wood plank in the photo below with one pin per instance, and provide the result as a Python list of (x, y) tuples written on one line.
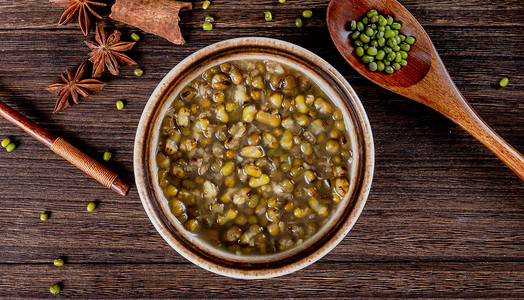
[(420, 156), (444, 217), (16, 15), (467, 53), (398, 229), (63, 44), (378, 280)]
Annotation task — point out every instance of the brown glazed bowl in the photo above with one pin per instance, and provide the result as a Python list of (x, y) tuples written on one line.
[(342, 218)]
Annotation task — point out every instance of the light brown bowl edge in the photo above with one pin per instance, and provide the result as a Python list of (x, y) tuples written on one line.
[(321, 247)]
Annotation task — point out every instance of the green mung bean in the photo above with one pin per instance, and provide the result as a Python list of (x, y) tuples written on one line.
[(138, 72), (207, 26), (353, 25), (107, 156), (377, 38), (58, 262), (10, 148), (307, 14), (380, 55), (367, 59), (135, 37), (298, 22), (91, 206), (373, 66), (364, 38), (6, 142), (54, 289), (268, 16)]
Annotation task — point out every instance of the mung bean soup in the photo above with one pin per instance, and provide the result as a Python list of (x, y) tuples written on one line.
[(253, 157)]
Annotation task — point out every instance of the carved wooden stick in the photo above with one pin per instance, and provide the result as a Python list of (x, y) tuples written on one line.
[(156, 16), (66, 150)]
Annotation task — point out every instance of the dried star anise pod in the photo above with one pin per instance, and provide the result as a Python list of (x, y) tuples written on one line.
[(73, 86), (78, 8), (105, 52)]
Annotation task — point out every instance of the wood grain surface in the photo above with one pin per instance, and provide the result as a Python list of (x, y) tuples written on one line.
[(444, 217)]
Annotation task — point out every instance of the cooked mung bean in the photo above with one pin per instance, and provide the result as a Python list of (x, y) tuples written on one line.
[(253, 175)]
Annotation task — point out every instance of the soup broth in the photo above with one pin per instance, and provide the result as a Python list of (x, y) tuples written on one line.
[(253, 157)]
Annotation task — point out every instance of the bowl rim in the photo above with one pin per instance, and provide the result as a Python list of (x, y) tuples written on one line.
[(343, 225)]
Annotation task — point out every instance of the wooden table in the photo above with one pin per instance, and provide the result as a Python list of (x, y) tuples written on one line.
[(444, 217)]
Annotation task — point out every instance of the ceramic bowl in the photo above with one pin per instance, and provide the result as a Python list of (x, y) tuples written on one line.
[(341, 219)]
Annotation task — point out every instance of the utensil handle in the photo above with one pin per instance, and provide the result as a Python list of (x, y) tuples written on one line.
[(90, 166), (72, 154), (464, 116)]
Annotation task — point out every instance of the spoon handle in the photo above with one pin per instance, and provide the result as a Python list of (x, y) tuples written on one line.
[(81, 160), (470, 121), (449, 101)]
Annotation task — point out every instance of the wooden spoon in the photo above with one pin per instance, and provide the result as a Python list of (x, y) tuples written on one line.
[(66, 150), (425, 78)]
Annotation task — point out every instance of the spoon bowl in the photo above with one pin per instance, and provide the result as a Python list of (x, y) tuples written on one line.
[(420, 55), (424, 79)]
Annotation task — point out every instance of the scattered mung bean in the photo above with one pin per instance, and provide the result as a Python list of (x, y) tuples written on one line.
[(58, 262), (138, 72), (107, 156), (6, 142), (135, 37), (268, 16), (54, 289), (91, 206), (307, 14)]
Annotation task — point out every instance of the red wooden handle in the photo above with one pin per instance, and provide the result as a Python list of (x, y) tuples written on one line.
[(72, 154)]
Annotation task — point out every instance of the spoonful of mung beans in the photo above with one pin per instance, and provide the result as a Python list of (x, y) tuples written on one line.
[(378, 42)]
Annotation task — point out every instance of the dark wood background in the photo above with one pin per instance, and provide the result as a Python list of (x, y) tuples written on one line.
[(444, 217)]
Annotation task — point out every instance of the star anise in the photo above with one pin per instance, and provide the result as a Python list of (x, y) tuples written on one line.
[(78, 8), (106, 52), (73, 86)]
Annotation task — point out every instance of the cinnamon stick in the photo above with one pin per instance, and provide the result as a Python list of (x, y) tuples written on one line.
[(155, 16)]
